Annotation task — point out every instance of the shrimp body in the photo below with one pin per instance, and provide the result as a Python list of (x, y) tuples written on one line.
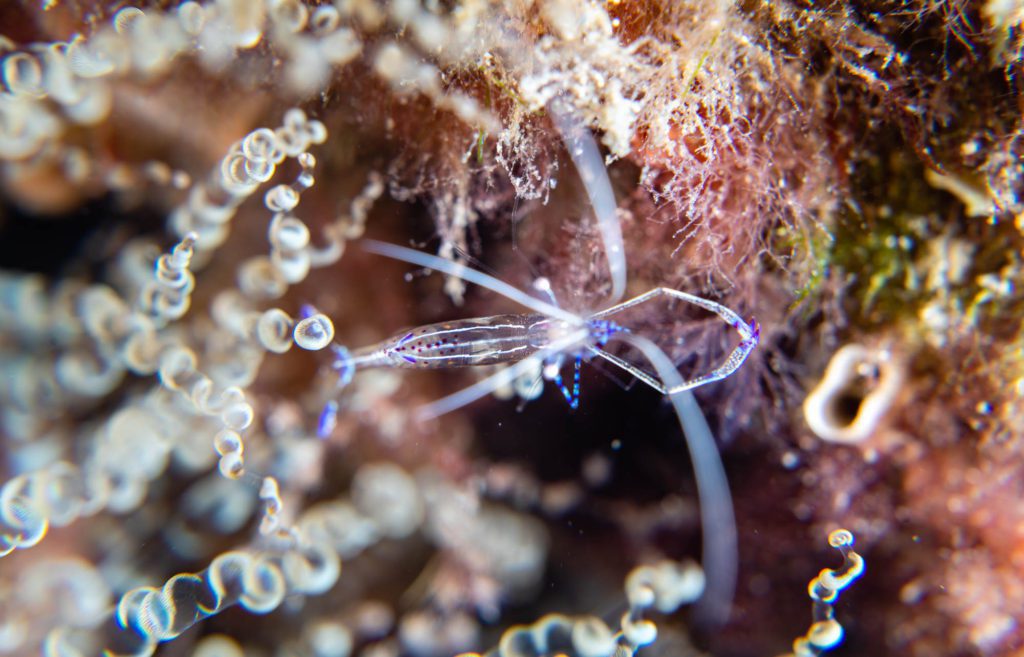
[(493, 340), (458, 343)]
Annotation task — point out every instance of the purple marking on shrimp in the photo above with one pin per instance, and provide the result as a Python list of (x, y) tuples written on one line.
[(328, 419), (409, 358), (405, 339)]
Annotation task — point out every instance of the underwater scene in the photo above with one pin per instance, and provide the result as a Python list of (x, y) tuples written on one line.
[(511, 328)]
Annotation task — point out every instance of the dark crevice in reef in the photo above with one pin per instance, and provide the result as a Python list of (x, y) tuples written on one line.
[(80, 242)]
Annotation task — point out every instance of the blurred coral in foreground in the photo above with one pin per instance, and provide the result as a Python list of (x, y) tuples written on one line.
[(185, 186)]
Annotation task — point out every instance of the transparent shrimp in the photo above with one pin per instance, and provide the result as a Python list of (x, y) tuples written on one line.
[(590, 166), (550, 334), (494, 340)]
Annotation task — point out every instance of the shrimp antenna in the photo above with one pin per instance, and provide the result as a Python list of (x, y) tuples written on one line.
[(718, 521), (470, 275), (588, 162)]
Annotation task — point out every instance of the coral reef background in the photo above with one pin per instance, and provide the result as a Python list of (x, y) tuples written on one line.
[(180, 179)]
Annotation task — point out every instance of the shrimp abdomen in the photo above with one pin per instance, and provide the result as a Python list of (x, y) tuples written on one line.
[(459, 343)]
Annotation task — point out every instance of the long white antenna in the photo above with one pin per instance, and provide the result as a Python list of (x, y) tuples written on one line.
[(718, 521), (473, 276), (587, 158)]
